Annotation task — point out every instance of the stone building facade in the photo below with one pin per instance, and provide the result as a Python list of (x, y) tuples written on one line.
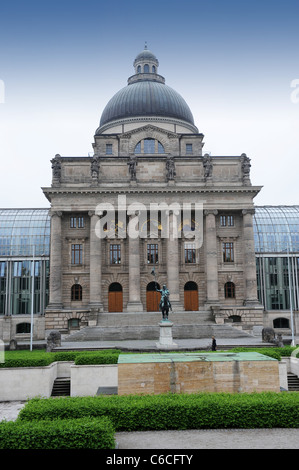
[(148, 154)]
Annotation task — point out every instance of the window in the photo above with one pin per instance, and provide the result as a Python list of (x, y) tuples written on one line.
[(189, 149), (229, 290), (77, 222), (227, 221), (23, 328), (108, 149), (76, 292), (153, 69), (190, 253), (115, 254), (228, 252), (77, 252), (146, 68), (152, 254), (149, 146), (139, 69)]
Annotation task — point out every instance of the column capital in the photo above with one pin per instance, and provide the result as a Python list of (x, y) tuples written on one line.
[(211, 212), (57, 213), (248, 211)]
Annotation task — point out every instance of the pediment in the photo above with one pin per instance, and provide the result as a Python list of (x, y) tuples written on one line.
[(150, 131)]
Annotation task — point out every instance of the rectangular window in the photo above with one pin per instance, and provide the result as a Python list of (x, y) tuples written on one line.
[(77, 222), (77, 252), (228, 252), (152, 254), (108, 149), (190, 253), (227, 221), (115, 254), (189, 149)]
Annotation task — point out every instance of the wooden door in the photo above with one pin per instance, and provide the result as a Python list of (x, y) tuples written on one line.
[(191, 300), (152, 301), (115, 301)]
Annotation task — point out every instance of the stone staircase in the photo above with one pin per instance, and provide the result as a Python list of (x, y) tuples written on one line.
[(61, 387), (145, 326), (293, 382)]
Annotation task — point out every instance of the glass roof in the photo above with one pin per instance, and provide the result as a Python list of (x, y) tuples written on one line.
[(23, 229), (276, 229)]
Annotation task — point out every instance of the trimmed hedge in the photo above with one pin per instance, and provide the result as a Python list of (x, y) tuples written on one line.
[(43, 358), (175, 411), (85, 433)]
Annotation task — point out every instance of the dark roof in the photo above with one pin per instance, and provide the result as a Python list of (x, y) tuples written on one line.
[(146, 98)]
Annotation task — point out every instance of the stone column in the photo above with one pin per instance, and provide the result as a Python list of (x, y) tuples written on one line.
[(134, 304), (249, 258), (95, 266), (55, 287), (211, 257), (173, 263)]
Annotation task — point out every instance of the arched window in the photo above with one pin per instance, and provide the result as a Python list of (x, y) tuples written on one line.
[(153, 69), (76, 292), (139, 69), (229, 290), (23, 328), (149, 146), (146, 68), (281, 323)]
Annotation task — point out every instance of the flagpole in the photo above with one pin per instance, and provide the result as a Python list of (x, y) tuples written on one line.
[(32, 301)]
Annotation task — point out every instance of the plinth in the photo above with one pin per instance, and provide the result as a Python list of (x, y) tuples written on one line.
[(165, 341)]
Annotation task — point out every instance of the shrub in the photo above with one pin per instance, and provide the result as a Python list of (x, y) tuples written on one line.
[(97, 358), (42, 358), (175, 411), (85, 433)]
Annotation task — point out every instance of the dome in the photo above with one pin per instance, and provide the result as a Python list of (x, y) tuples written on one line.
[(146, 95), (146, 98), (146, 55)]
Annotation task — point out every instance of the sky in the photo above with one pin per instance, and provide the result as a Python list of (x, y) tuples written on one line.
[(235, 63)]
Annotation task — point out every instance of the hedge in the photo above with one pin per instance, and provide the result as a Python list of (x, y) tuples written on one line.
[(175, 411), (43, 358), (85, 433)]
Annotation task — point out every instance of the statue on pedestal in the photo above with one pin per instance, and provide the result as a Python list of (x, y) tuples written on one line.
[(165, 304)]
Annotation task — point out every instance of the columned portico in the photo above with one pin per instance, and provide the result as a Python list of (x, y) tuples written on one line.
[(55, 287), (134, 303), (211, 257), (95, 283), (173, 261), (249, 258)]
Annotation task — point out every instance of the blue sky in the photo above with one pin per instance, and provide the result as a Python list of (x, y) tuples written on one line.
[(233, 62)]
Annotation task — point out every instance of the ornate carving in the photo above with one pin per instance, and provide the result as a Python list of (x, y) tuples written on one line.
[(170, 169), (95, 168), (132, 168), (208, 166), (56, 169), (245, 168)]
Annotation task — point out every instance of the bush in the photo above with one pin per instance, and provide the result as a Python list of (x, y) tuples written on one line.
[(175, 411), (97, 358), (85, 433), (40, 358)]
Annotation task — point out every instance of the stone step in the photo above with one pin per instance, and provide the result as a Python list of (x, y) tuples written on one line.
[(61, 387), (146, 332), (152, 318), (293, 382)]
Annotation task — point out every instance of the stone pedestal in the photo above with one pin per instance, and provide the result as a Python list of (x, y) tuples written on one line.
[(165, 341)]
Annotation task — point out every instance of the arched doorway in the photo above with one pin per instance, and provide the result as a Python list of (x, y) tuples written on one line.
[(152, 297), (191, 296), (115, 297)]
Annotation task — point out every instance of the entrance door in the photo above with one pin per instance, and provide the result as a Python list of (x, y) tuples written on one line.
[(115, 297), (191, 296), (152, 297)]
